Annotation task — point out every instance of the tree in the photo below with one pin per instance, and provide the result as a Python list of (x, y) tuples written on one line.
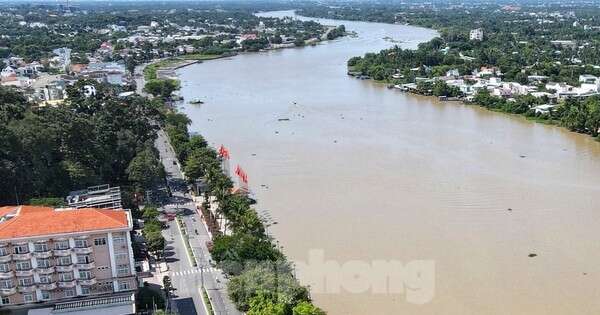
[(152, 231), (155, 243), (307, 308), (148, 299), (145, 169), (168, 288), (264, 304), (163, 88), (150, 213), (48, 202), (130, 65), (194, 168), (269, 281), (232, 252)]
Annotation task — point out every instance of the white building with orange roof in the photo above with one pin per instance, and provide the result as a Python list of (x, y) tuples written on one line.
[(55, 255)]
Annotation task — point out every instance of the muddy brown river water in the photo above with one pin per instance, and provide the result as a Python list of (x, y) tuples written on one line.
[(361, 174)]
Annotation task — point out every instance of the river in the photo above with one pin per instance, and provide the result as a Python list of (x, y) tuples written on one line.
[(364, 173)]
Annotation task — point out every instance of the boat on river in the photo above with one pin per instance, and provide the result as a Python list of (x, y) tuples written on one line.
[(196, 101)]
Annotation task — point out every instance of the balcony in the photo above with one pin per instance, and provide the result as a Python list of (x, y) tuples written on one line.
[(82, 250), (47, 286), (45, 270), (62, 252), (89, 265), (91, 281), (64, 268), (8, 291), (27, 289), (44, 254), (24, 256), (24, 273), (5, 258), (67, 284), (7, 275)]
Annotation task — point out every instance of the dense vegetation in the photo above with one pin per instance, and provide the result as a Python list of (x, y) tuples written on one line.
[(48, 151), (518, 40)]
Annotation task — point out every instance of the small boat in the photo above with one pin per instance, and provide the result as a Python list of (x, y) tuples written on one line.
[(196, 101)]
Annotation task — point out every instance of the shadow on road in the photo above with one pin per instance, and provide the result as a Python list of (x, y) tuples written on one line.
[(177, 184), (186, 306)]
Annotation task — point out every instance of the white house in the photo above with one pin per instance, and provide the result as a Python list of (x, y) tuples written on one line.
[(8, 72), (452, 73), (476, 34), (588, 78)]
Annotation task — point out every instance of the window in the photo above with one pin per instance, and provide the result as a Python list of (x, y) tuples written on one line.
[(85, 290), (84, 274), (64, 261), (21, 249), (24, 282), (123, 285), (28, 297), (5, 300), (120, 256), (43, 263), (80, 243), (119, 240), (4, 268), (100, 241), (84, 259), (122, 270), (23, 265), (41, 247), (6, 284), (65, 276), (62, 245), (45, 279), (69, 292), (3, 251), (45, 295)]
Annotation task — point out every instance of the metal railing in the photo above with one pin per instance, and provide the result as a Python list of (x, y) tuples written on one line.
[(92, 303)]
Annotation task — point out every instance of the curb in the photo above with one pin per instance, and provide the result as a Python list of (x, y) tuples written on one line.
[(192, 259)]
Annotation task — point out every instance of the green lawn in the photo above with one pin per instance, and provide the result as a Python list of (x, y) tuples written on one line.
[(150, 70)]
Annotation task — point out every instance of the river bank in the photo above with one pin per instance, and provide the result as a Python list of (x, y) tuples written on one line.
[(369, 165)]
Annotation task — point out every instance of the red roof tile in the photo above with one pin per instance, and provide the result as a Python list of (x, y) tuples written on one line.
[(6, 210), (39, 221)]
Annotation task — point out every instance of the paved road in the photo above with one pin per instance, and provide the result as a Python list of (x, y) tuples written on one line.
[(186, 278), (139, 80)]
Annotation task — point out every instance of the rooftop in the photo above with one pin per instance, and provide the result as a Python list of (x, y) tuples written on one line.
[(31, 221)]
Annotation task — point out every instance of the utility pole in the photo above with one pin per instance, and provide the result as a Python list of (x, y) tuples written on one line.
[(17, 196)]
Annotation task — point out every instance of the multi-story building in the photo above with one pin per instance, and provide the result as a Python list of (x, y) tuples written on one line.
[(101, 196), (52, 255), (476, 34)]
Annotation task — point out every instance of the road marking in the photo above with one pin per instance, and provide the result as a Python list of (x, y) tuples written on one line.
[(193, 271)]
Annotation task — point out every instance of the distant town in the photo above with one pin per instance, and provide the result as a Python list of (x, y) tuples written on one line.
[(106, 45)]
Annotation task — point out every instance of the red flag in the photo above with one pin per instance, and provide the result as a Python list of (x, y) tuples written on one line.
[(225, 154), (241, 174)]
